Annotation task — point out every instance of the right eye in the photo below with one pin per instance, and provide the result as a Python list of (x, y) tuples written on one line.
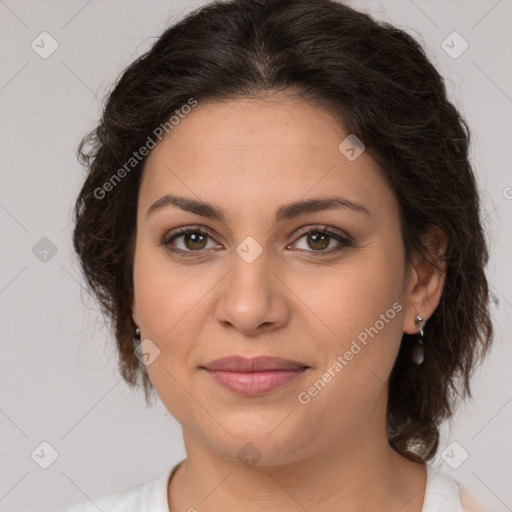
[(193, 240)]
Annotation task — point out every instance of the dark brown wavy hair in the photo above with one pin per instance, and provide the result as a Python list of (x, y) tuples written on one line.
[(377, 80)]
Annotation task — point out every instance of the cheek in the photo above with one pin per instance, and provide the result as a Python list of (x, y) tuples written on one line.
[(348, 391), (169, 295), (360, 302), (353, 295), (174, 304), (170, 313)]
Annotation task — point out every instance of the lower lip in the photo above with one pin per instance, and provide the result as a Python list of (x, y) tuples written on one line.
[(254, 383)]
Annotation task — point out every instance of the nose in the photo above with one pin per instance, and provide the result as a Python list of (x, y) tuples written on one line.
[(254, 299)]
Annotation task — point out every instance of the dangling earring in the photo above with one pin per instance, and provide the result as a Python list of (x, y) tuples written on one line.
[(136, 338), (418, 352)]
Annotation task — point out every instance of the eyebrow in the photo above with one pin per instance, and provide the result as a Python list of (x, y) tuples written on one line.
[(285, 212)]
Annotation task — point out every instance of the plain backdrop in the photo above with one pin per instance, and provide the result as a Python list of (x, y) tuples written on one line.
[(59, 382)]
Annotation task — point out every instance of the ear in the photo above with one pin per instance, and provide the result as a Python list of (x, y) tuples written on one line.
[(425, 282)]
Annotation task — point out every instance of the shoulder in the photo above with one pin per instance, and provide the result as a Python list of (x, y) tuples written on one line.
[(150, 495), (441, 492), (470, 503), (444, 494)]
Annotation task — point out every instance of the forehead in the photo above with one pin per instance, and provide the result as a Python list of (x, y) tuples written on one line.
[(252, 152)]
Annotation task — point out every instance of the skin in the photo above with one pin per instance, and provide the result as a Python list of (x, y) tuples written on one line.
[(249, 157)]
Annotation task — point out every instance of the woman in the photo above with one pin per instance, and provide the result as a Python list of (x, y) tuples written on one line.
[(281, 220)]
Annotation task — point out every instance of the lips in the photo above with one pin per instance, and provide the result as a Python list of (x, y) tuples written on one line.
[(253, 364), (253, 376)]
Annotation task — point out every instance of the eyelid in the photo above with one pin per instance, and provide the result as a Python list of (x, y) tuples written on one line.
[(324, 228), (185, 229)]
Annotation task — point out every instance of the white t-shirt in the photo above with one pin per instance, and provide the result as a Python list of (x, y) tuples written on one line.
[(441, 495)]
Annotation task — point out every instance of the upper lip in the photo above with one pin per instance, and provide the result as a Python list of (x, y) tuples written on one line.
[(253, 364)]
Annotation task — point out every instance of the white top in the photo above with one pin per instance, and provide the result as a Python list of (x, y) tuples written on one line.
[(441, 495)]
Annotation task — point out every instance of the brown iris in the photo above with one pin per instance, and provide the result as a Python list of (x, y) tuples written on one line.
[(197, 240), (316, 243)]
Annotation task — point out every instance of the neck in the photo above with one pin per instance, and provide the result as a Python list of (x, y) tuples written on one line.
[(365, 475)]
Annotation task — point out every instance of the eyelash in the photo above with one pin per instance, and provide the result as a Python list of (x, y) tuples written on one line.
[(338, 235)]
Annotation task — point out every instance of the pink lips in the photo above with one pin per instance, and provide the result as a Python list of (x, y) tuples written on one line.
[(253, 376)]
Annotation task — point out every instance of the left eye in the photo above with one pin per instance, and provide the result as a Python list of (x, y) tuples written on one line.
[(318, 240)]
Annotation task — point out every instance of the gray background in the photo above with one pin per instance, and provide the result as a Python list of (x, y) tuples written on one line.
[(58, 375)]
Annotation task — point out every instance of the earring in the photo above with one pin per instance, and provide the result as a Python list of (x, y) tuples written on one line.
[(136, 338), (418, 352)]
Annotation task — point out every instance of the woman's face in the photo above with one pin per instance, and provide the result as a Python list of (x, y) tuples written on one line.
[(256, 285)]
